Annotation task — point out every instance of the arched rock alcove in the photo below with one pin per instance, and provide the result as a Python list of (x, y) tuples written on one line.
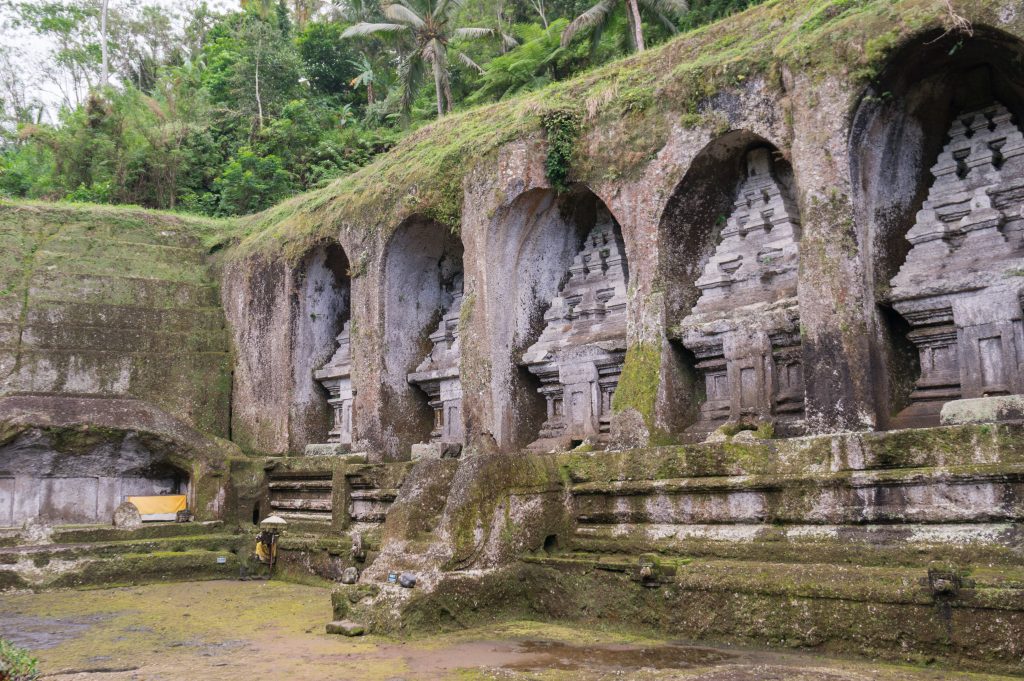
[(728, 261), (422, 281), (545, 253), (900, 127), (46, 480), (322, 384)]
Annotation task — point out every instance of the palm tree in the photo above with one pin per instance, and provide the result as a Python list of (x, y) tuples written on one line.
[(597, 17), (367, 76), (428, 23)]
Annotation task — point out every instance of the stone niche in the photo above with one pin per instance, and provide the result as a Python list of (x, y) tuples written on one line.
[(578, 357), (438, 376), (961, 284), (322, 339), (41, 480), (336, 378), (423, 286), (744, 330)]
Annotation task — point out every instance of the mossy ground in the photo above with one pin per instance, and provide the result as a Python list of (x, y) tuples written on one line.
[(230, 630)]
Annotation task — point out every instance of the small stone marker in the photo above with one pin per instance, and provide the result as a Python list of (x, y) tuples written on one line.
[(350, 576), (127, 516), (345, 628), (407, 580)]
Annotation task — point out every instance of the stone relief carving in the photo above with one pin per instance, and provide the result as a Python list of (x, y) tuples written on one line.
[(578, 357), (745, 328), (438, 376), (336, 377), (960, 286)]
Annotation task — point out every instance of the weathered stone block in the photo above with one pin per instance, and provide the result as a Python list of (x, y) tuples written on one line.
[(983, 410), (335, 449), (345, 628)]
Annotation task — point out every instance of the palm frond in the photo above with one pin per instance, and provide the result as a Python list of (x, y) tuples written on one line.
[(411, 72), (473, 32), (508, 40), (594, 17), (364, 28), (465, 59), (446, 8), (402, 13), (669, 25), (668, 7)]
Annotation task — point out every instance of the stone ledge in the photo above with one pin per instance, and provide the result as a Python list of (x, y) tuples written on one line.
[(983, 410)]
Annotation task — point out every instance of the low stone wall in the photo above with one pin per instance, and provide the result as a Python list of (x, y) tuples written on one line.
[(904, 545)]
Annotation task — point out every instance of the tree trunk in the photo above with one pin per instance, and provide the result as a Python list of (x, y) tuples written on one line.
[(369, 93), (103, 44), (539, 6), (633, 9), (259, 101), (438, 85)]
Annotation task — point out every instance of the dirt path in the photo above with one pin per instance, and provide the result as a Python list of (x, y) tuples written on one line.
[(234, 630)]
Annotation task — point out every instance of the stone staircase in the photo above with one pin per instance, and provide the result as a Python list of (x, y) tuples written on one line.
[(93, 555)]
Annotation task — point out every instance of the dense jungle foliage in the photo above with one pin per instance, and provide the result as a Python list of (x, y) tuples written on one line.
[(227, 111)]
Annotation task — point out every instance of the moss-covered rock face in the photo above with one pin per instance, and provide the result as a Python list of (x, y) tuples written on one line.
[(116, 302), (658, 139)]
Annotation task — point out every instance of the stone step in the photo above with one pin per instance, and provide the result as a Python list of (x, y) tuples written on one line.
[(307, 484), (120, 569), (909, 614), (121, 290), (1001, 588), (870, 545), (949, 494), (941, 447), (40, 554), (72, 534)]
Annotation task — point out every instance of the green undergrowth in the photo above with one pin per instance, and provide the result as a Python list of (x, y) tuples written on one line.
[(628, 109), (16, 664)]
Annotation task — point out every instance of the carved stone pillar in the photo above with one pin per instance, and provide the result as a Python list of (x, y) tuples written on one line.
[(578, 357), (745, 328), (960, 287), (336, 377)]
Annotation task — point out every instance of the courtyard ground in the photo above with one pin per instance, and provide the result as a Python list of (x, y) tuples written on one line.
[(275, 630)]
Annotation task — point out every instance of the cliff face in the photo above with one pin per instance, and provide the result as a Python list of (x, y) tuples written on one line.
[(115, 370), (113, 302)]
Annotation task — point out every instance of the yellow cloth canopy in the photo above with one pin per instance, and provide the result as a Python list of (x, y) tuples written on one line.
[(163, 504)]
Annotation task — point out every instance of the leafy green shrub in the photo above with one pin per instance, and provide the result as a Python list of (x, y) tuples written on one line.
[(16, 664), (563, 128), (251, 183)]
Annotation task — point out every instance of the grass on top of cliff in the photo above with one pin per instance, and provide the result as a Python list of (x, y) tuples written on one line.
[(627, 110), (40, 239), (126, 224)]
